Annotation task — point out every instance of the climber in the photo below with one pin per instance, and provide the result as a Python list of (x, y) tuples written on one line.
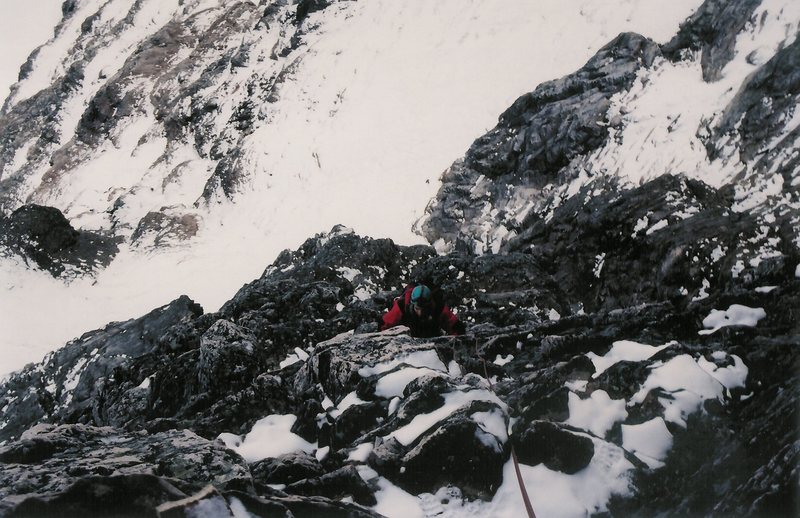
[(420, 310)]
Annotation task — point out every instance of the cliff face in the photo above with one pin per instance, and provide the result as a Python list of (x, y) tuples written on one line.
[(627, 265)]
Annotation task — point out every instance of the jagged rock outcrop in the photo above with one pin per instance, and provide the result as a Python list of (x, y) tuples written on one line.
[(712, 31), (759, 118), (673, 237), (512, 170), (43, 236), (68, 385), (568, 137)]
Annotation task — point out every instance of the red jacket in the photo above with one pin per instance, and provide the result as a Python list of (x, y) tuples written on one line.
[(442, 318)]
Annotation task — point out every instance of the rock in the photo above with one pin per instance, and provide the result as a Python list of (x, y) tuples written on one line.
[(228, 359), (350, 425), (222, 372), (98, 496), (159, 229), (757, 118), (712, 29), (306, 425), (49, 459), (44, 236), (208, 502), (67, 384), (559, 450), (458, 452), (511, 170), (286, 469), (301, 506), (335, 485)]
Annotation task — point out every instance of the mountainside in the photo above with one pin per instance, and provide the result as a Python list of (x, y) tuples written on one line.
[(623, 247), (186, 130)]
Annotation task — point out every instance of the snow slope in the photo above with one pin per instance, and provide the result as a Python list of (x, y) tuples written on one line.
[(23, 26), (381, 98)]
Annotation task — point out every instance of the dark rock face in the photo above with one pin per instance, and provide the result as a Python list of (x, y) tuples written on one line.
[(543, 130), (44, 236), (593, 239), (95, 496), (77, 451), (70, 384), (286, 469), (712, 29), (759, 113), (532, 146), (558, 449)]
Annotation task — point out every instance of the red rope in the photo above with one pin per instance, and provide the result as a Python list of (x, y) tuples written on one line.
[(526, 500)]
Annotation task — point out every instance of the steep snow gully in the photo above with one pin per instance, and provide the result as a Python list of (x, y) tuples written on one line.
[(624, 247)]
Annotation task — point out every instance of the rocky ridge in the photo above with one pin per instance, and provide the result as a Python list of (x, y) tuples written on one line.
[(568, 137), (284, 346)]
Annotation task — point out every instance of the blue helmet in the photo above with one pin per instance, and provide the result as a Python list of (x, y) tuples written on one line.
[(421, 296)]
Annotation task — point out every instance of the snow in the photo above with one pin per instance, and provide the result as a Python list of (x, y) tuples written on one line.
[(598, 264), (426, 358), (623, 350), (650, 441), (393, 404), (349, 400), (501, 360), (735, 315), (393, 502), (387, 95), (270, 437), (298, 355), (660, 121), (23, 26), (393, 384), (492, 422), (360, 453), (687, 385), (656, 227), (597, 413), (554, 494), (732, 376), (453, 401)]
